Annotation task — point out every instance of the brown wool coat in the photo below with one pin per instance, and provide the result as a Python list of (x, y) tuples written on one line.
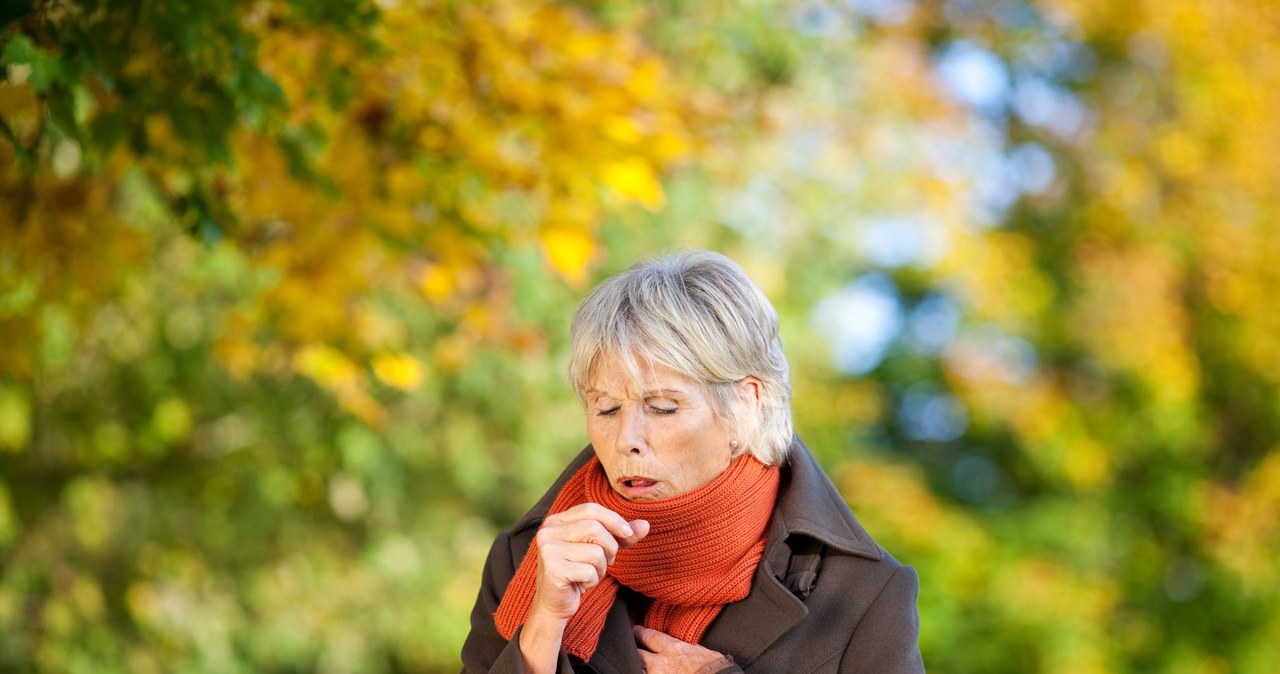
[(825, 597)]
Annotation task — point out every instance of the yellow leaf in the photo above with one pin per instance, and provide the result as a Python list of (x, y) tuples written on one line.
[(437, 283), (569, 251), (1086, 463), (15, 419), (356, 401), (668, 145), (621, 129), (404, 181), (399, 370), (239, 356), (172, 419), (645, 82), (634, 180), (326, 365)]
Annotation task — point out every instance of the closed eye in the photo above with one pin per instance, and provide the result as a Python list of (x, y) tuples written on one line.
[(608, 412), (663, 410)]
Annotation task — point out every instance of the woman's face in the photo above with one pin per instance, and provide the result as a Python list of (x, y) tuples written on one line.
[(658, 437)]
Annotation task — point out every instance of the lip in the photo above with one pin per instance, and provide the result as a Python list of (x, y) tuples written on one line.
[(633, 487)]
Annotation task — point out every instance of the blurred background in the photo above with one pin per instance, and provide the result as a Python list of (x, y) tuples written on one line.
[(285, 288)]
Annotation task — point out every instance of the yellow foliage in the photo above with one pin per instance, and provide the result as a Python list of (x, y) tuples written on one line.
[(621, 129), (96, 509), (499, 117), (15, 419), (634, 180), (399, 370), (332, 370), (172, 420), (1132, 317), (1087, 463), (1210, 186), (1180, 154), (998, 267), (896, 500), (852, 402), (1048, 591), (569, 251), (1242, 524), (437, 283), (489, 122), (378, 330)]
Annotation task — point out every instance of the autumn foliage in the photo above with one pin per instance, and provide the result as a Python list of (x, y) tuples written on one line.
[(284, 293)]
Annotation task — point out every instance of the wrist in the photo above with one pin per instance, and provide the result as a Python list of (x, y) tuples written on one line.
[(546, 624), (540, 639)]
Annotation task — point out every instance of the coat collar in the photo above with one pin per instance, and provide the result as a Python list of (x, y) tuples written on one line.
[(809, 507)]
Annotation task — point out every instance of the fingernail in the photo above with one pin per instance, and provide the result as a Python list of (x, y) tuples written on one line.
[(626, 530)]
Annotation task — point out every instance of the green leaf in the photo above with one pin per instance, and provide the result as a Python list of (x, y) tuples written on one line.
[(108, 129), (263, 89), (62, 112), (19, 49), (46, 69)]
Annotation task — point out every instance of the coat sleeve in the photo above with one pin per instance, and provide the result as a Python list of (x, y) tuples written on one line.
[(886, 639), (485, 649)]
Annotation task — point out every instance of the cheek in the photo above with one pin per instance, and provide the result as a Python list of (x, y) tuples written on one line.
[(596, 426), (716, 463)]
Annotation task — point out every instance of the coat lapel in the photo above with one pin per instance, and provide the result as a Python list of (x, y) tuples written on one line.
[(745, 629), (616, 651), (809, 506)]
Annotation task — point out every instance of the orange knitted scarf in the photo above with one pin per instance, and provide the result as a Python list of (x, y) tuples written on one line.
[(700, 554)]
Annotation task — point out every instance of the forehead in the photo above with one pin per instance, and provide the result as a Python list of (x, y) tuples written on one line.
[(613, 374)]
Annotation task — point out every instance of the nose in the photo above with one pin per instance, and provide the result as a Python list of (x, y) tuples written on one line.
[(631, 433)]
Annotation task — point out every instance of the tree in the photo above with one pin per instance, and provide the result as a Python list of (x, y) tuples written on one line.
[(284, 291), (213, 213)]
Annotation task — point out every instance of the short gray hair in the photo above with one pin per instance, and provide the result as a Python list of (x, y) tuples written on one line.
[(698, 314)]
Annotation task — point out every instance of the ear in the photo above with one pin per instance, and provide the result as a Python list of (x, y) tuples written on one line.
[(750, 392)]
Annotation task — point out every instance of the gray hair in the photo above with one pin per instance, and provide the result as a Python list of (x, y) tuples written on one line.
[(698, 314)]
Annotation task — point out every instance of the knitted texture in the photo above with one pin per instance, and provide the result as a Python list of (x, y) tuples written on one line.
[(701, 552)]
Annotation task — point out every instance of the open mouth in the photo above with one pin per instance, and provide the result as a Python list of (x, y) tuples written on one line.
[(634, 487)]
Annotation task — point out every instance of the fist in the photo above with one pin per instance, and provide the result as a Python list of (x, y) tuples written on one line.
[(575, 549)]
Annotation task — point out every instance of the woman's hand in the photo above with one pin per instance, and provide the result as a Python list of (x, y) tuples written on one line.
[(665, 654), (575, 548)]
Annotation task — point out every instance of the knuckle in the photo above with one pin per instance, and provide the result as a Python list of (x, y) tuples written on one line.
[(598, 533)]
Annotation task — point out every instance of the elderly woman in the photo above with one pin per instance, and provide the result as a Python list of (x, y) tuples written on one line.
[(695, 533)]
